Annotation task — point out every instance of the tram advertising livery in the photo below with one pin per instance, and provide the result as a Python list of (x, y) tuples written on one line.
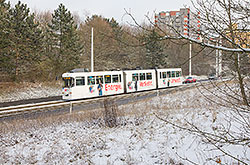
[(78, 85)]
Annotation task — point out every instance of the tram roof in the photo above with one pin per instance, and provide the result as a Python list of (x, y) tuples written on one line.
[(90, 73)]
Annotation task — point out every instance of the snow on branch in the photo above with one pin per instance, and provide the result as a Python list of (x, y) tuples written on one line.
[(245, 50)]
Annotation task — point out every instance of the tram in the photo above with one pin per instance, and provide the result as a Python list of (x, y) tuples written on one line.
[(79, 85)]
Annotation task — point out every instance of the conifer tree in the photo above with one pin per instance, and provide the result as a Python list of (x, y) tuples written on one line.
[(65, 45), (26, 40), (155, 56), (117, 29), (5, 32)]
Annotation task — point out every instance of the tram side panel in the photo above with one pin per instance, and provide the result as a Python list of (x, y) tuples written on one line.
[(169, 77), (115, 86), (139, 80), (82, 91), (92, 84)]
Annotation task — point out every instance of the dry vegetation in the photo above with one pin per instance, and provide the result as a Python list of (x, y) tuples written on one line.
[(99, 117)]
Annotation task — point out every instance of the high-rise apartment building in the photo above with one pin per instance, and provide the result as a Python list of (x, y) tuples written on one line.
[(182, 22)]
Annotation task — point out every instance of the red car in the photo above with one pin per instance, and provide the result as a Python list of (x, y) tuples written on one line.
[(189, 80)]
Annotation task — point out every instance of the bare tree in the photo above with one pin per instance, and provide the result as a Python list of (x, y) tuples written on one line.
[(225, 26), (228, 20)]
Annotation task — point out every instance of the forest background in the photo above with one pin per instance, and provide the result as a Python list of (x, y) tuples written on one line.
[(40, 46)]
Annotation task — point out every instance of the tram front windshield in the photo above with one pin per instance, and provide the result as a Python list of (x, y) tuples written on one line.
[(68, 82)]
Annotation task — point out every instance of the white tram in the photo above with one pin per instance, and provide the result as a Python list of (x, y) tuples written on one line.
[(80, 85), (92, 84)]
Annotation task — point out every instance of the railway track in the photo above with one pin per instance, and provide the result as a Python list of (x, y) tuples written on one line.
[(6, 112), (30, 101), (14, 110)]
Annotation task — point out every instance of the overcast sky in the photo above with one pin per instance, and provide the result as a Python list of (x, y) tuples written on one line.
[(109, 8)]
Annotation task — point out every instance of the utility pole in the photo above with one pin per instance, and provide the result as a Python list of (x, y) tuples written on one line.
[(220, 63), (217, 60), (190, 57), (220, 59), (92, 49)]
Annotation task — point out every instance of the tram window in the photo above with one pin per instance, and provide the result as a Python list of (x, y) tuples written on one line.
[(68, 82), (107, 79), (168, 74), (99, 78), (120, 78), (160, 75), (114, 78), (173, 74), (135, 76), (142, 76), (80, 81), (91, 80), (164, 75), (178, 74), (149, 76)]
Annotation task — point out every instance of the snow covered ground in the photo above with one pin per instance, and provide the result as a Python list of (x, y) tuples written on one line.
[(140, 137), (23, 91)]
